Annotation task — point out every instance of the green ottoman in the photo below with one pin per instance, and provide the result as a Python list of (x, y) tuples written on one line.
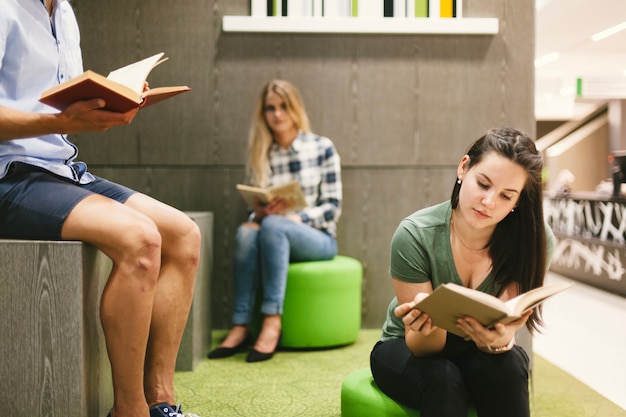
[(322, 305), (361, 397)]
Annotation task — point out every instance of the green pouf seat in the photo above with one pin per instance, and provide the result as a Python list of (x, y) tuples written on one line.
[(322, 305), (361, 397)]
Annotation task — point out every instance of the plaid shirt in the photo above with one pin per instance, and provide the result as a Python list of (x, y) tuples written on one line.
[(315, 163)]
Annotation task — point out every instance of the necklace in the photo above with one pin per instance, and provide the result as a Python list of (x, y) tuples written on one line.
[(457, 237)]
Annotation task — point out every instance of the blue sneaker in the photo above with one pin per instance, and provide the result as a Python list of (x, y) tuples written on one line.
[(166, 410)]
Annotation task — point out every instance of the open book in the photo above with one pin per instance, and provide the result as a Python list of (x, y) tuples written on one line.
[(290, 191), (448, 302), (122, 89)]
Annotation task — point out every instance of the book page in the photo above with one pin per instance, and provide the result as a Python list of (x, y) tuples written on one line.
[(292, 192), (248, 193), (134, 75), (449, 302), (482, 297), (532, 298)]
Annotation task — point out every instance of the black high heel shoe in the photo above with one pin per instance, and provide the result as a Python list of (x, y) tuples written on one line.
[(256, 356), (226, 352)]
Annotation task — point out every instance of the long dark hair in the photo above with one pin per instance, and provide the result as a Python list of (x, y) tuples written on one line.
[(518, 245)]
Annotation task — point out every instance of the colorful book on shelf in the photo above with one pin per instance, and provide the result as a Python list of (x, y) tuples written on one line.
[(458, 8), (421, 8), (441, 8), (122, 89), (339, 8), (433, 8), (446, 8), (258, 8)]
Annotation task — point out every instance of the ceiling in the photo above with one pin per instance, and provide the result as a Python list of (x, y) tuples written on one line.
[(566, 27)]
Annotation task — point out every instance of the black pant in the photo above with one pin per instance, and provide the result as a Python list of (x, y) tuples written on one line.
[(444, 385)]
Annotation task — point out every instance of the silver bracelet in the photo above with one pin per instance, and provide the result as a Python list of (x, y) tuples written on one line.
[(501, 349)]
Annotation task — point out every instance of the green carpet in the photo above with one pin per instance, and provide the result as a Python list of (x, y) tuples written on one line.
[(296, 383)]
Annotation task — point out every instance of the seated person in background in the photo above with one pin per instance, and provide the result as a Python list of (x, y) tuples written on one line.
[(281, 148), (491, 237), (46, 194)]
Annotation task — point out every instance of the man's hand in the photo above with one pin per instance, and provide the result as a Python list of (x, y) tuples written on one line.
[(82, 116), (90, 116)]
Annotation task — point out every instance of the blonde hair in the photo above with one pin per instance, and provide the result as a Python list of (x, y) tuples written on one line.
[(260, 137)]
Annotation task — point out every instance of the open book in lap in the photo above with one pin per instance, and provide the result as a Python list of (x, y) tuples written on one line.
[(449, 302), (290, 191)]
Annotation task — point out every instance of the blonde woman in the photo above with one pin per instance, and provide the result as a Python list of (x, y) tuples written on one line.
[(281, 148)]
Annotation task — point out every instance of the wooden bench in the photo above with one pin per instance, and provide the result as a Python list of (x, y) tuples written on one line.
[(197, 336), (53, 359)]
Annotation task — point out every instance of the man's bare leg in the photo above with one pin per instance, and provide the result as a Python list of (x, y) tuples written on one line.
[(173, 295), (133, 243)]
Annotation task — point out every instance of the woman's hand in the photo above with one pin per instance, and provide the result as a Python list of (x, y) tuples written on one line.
[(496, 340), (422, 337), (414, 318), (276, 206)]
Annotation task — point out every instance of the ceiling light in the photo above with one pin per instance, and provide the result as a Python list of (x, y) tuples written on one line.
[(546, 59), (608, 32)]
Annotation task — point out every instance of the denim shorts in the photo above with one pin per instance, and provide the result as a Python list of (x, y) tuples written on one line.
[(34, 203)]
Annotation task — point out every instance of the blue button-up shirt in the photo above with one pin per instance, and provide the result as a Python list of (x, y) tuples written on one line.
[(38, 52)]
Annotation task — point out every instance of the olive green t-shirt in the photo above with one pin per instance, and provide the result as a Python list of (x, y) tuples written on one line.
[(421, 252)]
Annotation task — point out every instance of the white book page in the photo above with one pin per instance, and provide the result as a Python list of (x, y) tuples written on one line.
[(134, 75), (486, 299), (534, 297)]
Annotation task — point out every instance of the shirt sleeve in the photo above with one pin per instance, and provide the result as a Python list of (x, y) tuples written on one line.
[(409, 259), (328, 204)]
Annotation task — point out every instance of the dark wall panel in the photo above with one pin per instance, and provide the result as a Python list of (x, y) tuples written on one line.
[(401, 110)]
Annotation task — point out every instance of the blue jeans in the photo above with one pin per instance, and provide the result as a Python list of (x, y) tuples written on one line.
[(262, 258)]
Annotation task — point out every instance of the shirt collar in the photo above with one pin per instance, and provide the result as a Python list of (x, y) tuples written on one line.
[(296, 145)]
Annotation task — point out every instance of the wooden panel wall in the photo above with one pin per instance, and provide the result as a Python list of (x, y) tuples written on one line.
[(400, 108), (53, 358)]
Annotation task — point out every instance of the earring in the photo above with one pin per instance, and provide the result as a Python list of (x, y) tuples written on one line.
[(513, 209), (458, 181)]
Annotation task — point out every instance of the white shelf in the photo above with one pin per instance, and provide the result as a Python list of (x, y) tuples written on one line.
[(389, 25)]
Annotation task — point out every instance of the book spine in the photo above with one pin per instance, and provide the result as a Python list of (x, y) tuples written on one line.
[(258, 8), (420, 8), (400, 8), (371, 8), (388, 8), (300, 8), (446, 8), (335, 8), (295, 8), (433, 9), (307, 5), (458, 8), (279, 7), (318, 7)]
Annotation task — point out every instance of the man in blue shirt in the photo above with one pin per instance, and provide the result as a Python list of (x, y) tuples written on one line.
[(46, 194)]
